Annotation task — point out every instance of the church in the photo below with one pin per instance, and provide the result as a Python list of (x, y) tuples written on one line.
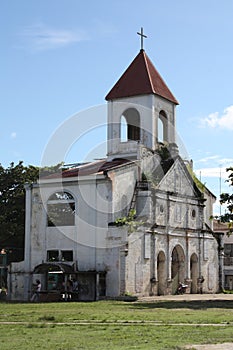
[(134, 223)]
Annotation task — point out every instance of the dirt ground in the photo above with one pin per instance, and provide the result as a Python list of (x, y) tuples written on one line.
[(191, 297), (224, 346), (188, 297)]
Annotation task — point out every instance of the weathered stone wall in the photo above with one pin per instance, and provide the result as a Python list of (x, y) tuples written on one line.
[(113, 260), (142, 265), (123, 186), (179, 219), (16, 281)]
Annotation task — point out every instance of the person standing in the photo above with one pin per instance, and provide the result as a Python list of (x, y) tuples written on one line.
[(36, 294)]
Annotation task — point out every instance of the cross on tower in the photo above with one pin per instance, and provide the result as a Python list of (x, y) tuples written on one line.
[(142, 36)]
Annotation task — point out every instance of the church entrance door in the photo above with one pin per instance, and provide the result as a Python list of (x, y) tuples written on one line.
[(194, 273), (161, 273), (178, 267)]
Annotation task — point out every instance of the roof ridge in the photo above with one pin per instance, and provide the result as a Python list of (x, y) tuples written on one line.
[(172, 97), (148, 70)]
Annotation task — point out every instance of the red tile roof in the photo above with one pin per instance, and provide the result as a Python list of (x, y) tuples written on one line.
[(140, 78)]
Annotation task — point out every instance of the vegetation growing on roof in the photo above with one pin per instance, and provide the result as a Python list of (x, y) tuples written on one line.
[(163, 151), (166, 160), (200, 185)]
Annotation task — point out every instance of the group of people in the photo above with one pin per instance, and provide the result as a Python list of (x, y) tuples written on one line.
[(70, 285), (66, 289)]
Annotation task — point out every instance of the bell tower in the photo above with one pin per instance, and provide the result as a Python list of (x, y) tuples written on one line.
[(141, 110)]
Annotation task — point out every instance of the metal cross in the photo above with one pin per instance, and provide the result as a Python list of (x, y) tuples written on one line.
[(142, 36)]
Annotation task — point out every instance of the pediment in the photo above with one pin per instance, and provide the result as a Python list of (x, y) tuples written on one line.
[(178, 180)]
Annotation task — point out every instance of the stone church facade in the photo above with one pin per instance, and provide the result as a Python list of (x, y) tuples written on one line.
[(136, 222)]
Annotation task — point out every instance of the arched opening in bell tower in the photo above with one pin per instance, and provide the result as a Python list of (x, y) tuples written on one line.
[(124, 129), (162, 127), (130, 125)]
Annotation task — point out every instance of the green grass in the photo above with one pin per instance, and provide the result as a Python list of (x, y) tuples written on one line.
[(114, 325)]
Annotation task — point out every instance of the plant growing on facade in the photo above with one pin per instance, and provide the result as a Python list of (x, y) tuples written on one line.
[(163, 151), (129, 221)]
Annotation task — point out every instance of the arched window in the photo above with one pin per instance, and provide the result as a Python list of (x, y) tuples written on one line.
[(124, 129), (162, 127), (130, 125), (61, 209), (160, 131)]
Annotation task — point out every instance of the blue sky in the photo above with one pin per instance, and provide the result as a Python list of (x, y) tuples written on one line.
[(61, 57)]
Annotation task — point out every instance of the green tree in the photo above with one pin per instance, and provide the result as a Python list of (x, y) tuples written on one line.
[(12, 204), (12, 207), (227, 198)]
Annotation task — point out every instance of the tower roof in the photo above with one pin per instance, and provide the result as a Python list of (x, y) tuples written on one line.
[(140, 78)]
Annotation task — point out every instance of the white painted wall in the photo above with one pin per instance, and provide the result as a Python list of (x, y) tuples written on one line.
[(149, 107)]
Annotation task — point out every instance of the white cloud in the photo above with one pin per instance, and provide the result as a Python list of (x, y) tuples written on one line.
[(207, 159), (226, 162), (212, 172), (224, 121), (40, 37), (215, 161), (13, 135)]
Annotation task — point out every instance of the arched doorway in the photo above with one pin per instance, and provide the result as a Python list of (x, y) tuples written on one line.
[(178, 267), (56, 277), (161, 273), (194, 273)]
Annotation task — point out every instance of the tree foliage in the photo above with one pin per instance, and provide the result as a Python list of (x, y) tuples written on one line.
[(12, 205)]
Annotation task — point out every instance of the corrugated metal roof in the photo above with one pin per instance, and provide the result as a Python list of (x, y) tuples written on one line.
[(98, 167)]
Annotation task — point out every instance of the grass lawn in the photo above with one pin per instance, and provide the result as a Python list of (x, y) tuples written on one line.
[(114, 325)]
